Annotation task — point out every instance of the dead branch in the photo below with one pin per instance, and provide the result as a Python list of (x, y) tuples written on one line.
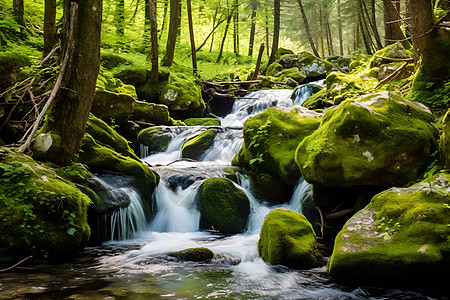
[(392, 76), (339, 214), (322, 221), (395, 59), (12, 267), (58, 83), (233, 82), (56, 48)]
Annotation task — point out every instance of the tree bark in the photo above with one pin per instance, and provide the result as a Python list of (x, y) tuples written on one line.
[(230, 15), (191, 36), (276, 30), (50, 39), (163, 25), (19, 11), (322, 47), (267, 31), (308, 31), (373, 24), (434, 56), (258, 62), (253, 27), (236, 27), (154, 40), (73, 104), (364, 28), (329, 36), (174, 24), (393, 31)]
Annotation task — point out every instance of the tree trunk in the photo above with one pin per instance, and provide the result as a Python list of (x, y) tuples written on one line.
[(308, 31), (435, 64), (19, 11), (276, 30), (341, 42), (236, 27), (174, 24), (364, 28), (230, 15), (73, 103), (216, 12), (373, 24), (50, 39), (329, 36), (322, 48), (211, 34), (357, 42), (191, 36), (119, 16), (393, 31), (180, 11), (253, 27), (267, 31), (163, 25), (154, 40)]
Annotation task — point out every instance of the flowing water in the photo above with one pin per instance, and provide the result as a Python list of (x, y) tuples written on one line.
[(139, 267)]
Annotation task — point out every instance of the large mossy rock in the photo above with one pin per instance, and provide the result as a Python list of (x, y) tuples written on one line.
[(402, 236), (291, 73), (41, 213), (196, 146), (311, 66), (198, 254), (10, 64), (342, 86), (223, 206), (378, 139), (157, 114), (106, 136), (156, 138), (444, 142), (396, 50), (287, 238), (270, 141), (109, 106), (202, 122)]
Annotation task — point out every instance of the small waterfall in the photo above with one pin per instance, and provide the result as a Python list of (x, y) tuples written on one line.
[(128, 221), (176, 210), (303, 92), (302, 191), (226, 144)]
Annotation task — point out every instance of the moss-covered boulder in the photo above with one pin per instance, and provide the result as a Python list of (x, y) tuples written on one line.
[(104, 158), (378, 139), (287, 238), (273, 69), (110, 60), (318, 101), (292, 73), (202, 122), (112, 106), (157, 114), (41, 213), (342, 86), (198, 254), (155, 138), (107, 82), (194, 147), (444, 142), (270, 141), (183, 95), (223, 206), (403, 235), (396, 50), (311, 66), (342, 62), (108, 137), (359, 63)]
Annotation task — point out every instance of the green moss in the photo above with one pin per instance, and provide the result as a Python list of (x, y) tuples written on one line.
[(359, 63), (74, 172), (40, 213), (288, 239), (193, 254), (281, 52), (444, 142), (293, 73), (317, 101), (202, 122), (378, 139), (273, 69), (342, 86), (108, 137), (194, 147), (106, 81), (157, 114), (401, 236), (110, 105), (308, 64), (270, 140), (155, 138), (223, 206), (110, 60), (396, 50)]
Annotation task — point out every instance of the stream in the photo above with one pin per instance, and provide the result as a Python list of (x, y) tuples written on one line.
[(134, 264)]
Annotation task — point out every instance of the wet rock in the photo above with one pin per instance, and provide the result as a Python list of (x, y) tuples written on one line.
[(313, 67), (400, 237), (155, 138), (110, 105), (223, 206), (156, 114), (184, 181), (199, 254), (202, 122), (378, 139), (194, 147), (288, 239)]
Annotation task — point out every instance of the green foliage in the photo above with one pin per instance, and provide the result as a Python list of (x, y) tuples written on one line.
[(257, 139), (435, 95)]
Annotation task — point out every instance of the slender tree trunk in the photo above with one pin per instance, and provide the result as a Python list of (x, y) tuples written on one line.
[(211, 34), (147, 29), (154, 39), (180, 14), (73, 103), (191, 36), (236, 27), (308, 31), (373, 24), (174, 25), (230, 15), (407, 20), (19, 11), (258, 62), (253, 27), (341, 42), (50, 39), (364, 28), (322, 48), (267, 30), (329, 36), (216, 12), (163, 25), (276, 30), (120, 17), (357, 42)]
